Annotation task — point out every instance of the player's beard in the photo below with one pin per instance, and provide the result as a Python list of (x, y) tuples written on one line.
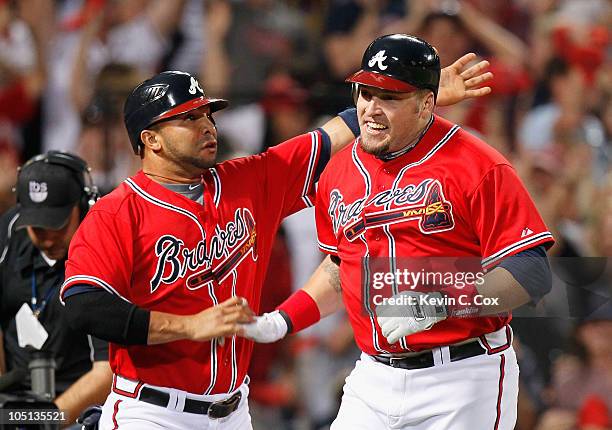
[(376, 148), (188, 160), (197, 162), (200, 163)]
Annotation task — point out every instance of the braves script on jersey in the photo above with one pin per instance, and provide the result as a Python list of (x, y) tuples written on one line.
[(163, 252), (450, 196)]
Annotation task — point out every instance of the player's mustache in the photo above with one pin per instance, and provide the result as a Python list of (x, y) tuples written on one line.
[(207, 140)]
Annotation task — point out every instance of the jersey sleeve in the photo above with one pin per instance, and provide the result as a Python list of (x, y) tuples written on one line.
[(505, 218), (100, 255), (293, 168), (326, 236)]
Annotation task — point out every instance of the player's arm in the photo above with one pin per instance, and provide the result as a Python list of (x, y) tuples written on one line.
[(108, 317), (518, 280), (321, 296), (522, 278), (223, 320), (90, 389), (457, 82)]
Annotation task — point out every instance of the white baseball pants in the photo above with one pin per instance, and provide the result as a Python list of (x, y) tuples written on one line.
[(477, 393)]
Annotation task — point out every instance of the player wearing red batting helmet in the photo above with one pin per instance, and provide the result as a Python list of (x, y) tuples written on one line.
[(428, 256)]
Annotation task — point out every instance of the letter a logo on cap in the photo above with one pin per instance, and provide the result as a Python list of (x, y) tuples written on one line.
[(38, 191), (195, 85), (378, 58)]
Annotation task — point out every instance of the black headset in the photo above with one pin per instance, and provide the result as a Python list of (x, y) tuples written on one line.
[(90, 193)]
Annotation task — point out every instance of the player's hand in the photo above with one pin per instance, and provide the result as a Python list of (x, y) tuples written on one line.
[(413, 314), (223, 320), (457, 84), (267, 328)]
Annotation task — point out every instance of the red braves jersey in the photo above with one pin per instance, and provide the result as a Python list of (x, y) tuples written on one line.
[(164, 252), (450, 196)]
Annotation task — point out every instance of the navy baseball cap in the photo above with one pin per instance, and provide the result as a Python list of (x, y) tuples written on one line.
[(46, 193)]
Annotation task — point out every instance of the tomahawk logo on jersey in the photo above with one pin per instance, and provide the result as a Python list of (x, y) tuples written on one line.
[(424, 202), (450, 196), (164, 252)]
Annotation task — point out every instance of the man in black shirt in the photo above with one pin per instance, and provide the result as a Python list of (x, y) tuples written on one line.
[(53, 197)]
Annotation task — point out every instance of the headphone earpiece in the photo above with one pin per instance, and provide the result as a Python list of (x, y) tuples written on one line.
[(90, 193)]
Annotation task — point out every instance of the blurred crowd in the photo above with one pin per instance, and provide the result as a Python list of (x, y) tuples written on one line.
[(67, 65)]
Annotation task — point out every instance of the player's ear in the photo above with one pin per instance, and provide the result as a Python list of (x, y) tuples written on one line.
[(427, 104), (151, 140)]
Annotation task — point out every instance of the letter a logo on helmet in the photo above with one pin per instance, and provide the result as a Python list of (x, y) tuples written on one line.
[(399, 62), (378, 58), (195, 86)]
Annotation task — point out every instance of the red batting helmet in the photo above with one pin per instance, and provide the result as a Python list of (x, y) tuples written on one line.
[(165, 95)]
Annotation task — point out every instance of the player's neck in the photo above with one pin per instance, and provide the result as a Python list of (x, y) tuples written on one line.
[(417, 138), (169, 173), (171, 179)]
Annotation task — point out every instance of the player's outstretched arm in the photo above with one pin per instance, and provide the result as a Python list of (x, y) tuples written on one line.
[(419, 311), (517, 280), (339, 133), (112, 319), (223, 320), (320, 297), (324, 287)]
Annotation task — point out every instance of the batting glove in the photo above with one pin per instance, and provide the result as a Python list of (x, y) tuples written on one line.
[(410, 312), (267, 328)]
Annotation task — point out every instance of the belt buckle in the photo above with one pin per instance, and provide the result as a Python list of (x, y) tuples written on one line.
[(224, 408), (394, 360)]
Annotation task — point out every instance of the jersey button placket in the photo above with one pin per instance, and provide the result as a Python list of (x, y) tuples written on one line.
[(382, 179)]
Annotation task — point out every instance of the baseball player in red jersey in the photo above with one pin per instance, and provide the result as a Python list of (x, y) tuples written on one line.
[(164, 266), (415, 186)]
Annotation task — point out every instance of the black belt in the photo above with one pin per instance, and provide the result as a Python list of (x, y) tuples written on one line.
[(212, 409), (426, 359)]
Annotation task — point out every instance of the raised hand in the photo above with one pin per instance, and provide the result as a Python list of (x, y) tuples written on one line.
[(457, 84)]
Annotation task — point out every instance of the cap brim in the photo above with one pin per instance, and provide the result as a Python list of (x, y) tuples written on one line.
[(378, 80), (215, 105), (49, 218)]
